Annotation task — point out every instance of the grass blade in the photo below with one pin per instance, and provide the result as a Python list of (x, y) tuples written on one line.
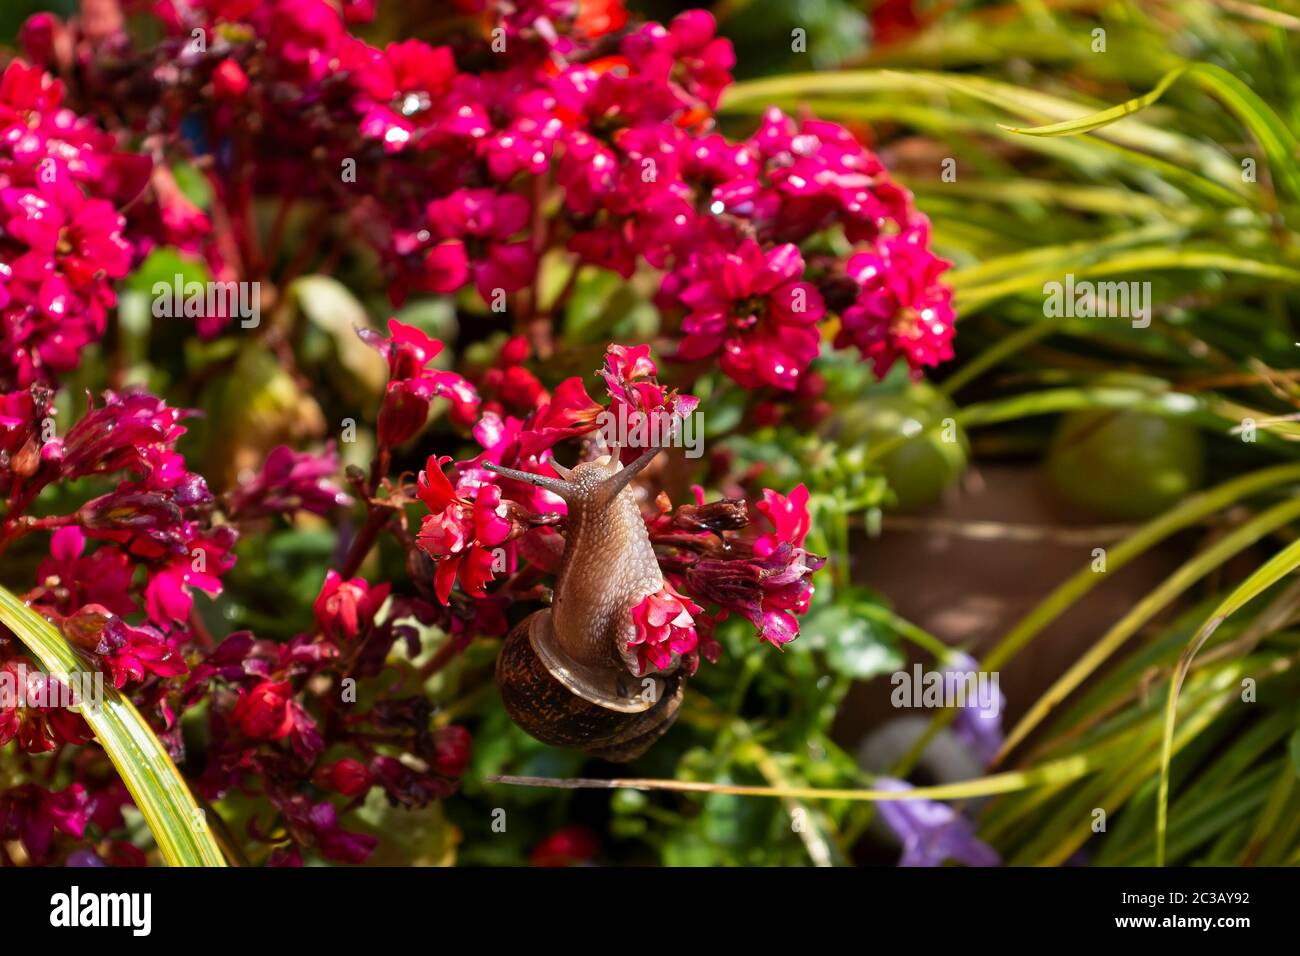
[(178, 825), (1264, 577), (1278, 142)]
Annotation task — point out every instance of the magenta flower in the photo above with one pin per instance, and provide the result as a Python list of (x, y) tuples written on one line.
[(304, 35), (69, 579), (753, 309), (129, 653), (771, 585), (485, 221), (36, 816), (397, 87), (345, 608), (463, 528), (37, 718), (789, 518), (412, 385), (206, 555), (665, 629), (902, 310), (317, 824), (291, 481), (629, 375), (686, 57), (133, 431)]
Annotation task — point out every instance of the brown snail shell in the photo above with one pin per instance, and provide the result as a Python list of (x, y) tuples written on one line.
[(567, 674), (555, 713)]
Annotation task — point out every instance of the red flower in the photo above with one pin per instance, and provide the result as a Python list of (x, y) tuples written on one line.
[(349, 777), (571, 846), (264, 712), (412, 385), (462, 532), (451, 747), (345, 608), (229, 82)]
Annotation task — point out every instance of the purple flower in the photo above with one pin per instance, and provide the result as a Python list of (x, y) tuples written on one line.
[(979, 722), (931, 832), (291, 481)]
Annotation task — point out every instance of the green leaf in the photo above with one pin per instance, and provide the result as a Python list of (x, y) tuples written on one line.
[(1195, 164), (332, 307), (1263, 578), (1278, 142), (1103, 118), (855, 646), (178, 825)]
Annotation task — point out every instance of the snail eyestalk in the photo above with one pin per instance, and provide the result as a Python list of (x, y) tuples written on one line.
[(554, 485)]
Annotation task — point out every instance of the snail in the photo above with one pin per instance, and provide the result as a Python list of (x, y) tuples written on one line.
[(566, 673)]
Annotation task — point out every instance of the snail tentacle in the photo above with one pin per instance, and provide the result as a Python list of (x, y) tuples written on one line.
[(554, 485)]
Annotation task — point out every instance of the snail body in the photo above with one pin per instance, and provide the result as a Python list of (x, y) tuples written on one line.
[(567, 674)]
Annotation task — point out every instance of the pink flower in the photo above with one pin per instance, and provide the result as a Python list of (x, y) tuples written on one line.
[(487, 219), (304, 35), (902, 309), (36, 728), (686, 56), (412, 385), (772, 585), (665, 628), (205, 557), (35, 816), (789, 518), (465, 526), (317, 824), (130, 653), (291, 481), (229, 82), (133, 431), (67, 579), (635, 394), (752, 307), (345, 608)]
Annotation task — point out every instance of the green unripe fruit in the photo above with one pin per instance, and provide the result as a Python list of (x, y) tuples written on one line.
[(921, 468), (1125, 464)]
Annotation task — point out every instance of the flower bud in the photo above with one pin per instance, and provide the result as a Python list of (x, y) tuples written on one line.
[(451, 747), (229, 82)]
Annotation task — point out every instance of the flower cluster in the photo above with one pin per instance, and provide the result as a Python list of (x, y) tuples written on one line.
[(119, 581), (463, 163), (481, 523), (61, 241), (75, 214)]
